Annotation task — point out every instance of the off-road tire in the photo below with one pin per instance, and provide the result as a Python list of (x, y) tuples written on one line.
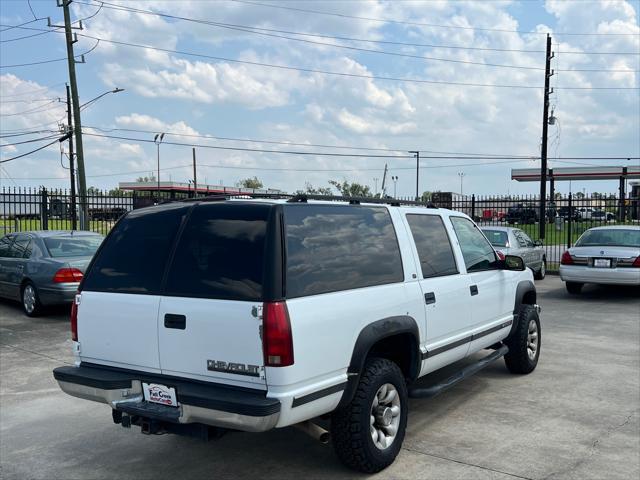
[(540, 274), (30, 289), (518, 359), (574, 288), (350, 425)]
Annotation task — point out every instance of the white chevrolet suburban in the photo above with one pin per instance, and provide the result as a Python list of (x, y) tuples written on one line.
[(202, 316)]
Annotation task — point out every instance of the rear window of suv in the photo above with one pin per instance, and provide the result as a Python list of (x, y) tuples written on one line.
[(221, 253), (134, 255), (332, 248)]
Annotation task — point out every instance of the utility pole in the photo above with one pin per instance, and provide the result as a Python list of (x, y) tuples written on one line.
[(545, 128), (383, 189), (417, 155), (195, 176), (74, 225), (82, 181)]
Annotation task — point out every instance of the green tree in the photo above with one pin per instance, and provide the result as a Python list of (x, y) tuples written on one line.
[(311, 190), (250, 183), (94, 191), (352, 189), (150, 178), (579, 195)]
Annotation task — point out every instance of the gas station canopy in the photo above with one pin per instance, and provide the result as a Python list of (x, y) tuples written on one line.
[(580, 173)]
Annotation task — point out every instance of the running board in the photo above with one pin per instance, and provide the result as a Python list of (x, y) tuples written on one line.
[(433, 390)]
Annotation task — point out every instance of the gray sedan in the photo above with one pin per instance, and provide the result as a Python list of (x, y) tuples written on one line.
[(603, 255), (44, 268), (513, 241)]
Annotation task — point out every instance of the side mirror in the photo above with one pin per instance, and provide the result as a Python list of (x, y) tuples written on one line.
[(513, 262), (537, 243)]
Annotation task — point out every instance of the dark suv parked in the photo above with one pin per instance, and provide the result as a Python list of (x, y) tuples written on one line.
[(522, 214)]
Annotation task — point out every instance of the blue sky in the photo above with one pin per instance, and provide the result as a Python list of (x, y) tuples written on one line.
[(195, 96)]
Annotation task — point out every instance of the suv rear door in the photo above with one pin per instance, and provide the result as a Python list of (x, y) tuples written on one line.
[(445, 291), (209, 317), (118, 310)]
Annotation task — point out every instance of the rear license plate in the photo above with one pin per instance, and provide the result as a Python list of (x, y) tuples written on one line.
[(156, 393), (602, 262)]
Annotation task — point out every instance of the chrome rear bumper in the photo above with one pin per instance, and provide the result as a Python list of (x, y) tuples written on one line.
[(213, 405)]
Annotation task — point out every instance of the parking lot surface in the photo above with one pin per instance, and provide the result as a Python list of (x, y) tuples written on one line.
[(576, 417)]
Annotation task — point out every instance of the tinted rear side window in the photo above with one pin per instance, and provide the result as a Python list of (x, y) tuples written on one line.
[(221, 253), (432, 243), (332, 248), (134, 255)]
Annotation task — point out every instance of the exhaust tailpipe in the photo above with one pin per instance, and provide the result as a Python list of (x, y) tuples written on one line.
[(314, 431)]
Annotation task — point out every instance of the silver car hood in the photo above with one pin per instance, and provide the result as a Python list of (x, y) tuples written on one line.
[(604, 251)]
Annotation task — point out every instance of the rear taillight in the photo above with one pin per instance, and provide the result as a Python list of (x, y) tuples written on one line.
[(277, 343), (566, 259), (74, 318), (68, 275), (500, 255), (636, 263)]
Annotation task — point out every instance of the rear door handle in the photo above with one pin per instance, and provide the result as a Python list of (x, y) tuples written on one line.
[(171, 320), (474, 290), (429, 298)]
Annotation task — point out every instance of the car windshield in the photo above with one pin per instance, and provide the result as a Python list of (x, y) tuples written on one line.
[(497, 238), (70, 246), (612, 237)]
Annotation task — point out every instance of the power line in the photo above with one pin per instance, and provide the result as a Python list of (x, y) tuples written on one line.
[(38, 109), (294, 144), (29, 92), (29, 141), (23, 130), (261, 31), (27, 133), (244, 149), (331, 154), (9, 27), (41, 62), (33, 100), (29, 153), (419, 24), (341, 74)]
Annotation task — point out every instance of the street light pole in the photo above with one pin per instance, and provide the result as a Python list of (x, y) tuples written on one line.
[(461, 175), (158, 140)]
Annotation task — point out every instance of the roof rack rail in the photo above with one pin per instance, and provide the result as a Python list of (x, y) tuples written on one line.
[(304, 197)]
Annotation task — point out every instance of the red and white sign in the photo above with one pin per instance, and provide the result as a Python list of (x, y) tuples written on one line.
[(156, 393)]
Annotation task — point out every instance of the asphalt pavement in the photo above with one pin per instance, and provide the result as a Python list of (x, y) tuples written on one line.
[(576, 417)]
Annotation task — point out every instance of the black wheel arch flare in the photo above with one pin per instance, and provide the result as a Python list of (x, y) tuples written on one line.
[(372, 334)]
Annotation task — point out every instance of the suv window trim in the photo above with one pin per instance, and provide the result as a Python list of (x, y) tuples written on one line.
[(444, 226)]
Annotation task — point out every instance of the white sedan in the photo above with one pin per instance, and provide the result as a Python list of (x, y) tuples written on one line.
[(603, 255)]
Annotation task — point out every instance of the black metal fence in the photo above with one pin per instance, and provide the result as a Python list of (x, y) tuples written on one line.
[(566, 217)]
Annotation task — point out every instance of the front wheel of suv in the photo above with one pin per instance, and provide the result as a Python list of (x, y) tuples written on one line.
[(524, 343), (368, 432)]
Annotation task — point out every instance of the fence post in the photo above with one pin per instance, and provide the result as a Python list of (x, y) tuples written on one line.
[(621, 196), (473, 206), (44, 210), (570, 220)]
